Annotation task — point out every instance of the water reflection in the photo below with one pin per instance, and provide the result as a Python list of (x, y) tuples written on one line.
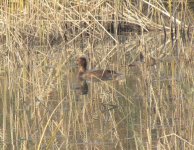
[(82, 87)]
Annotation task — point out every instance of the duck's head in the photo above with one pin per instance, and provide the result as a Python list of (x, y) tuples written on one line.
[(82, 63)]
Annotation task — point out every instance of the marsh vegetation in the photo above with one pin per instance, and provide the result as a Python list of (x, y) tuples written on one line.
[(150, 42)]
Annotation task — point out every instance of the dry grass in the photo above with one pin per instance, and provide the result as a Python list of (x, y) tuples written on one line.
[(151, 109)]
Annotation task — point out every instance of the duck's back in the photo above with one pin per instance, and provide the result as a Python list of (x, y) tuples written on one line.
[(100, 75)]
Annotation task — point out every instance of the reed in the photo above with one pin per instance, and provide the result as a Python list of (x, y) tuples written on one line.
[(151, 42)]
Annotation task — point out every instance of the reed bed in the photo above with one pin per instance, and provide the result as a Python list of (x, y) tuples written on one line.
[(151, 42)]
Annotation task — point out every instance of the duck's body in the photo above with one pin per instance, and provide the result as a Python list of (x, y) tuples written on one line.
[(98, 75), (94, 75)]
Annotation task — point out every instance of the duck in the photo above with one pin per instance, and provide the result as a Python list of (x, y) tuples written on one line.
[(150, 61), (95, 75)]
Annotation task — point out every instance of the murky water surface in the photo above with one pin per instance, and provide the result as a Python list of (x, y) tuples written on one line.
[(151, 107)]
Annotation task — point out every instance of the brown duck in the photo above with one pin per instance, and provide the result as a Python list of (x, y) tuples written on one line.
[(95, 75)]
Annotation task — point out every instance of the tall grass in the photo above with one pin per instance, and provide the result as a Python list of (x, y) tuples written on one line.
[(39, 44)]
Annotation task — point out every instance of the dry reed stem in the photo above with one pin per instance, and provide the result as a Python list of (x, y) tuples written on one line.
[(40, 40)]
